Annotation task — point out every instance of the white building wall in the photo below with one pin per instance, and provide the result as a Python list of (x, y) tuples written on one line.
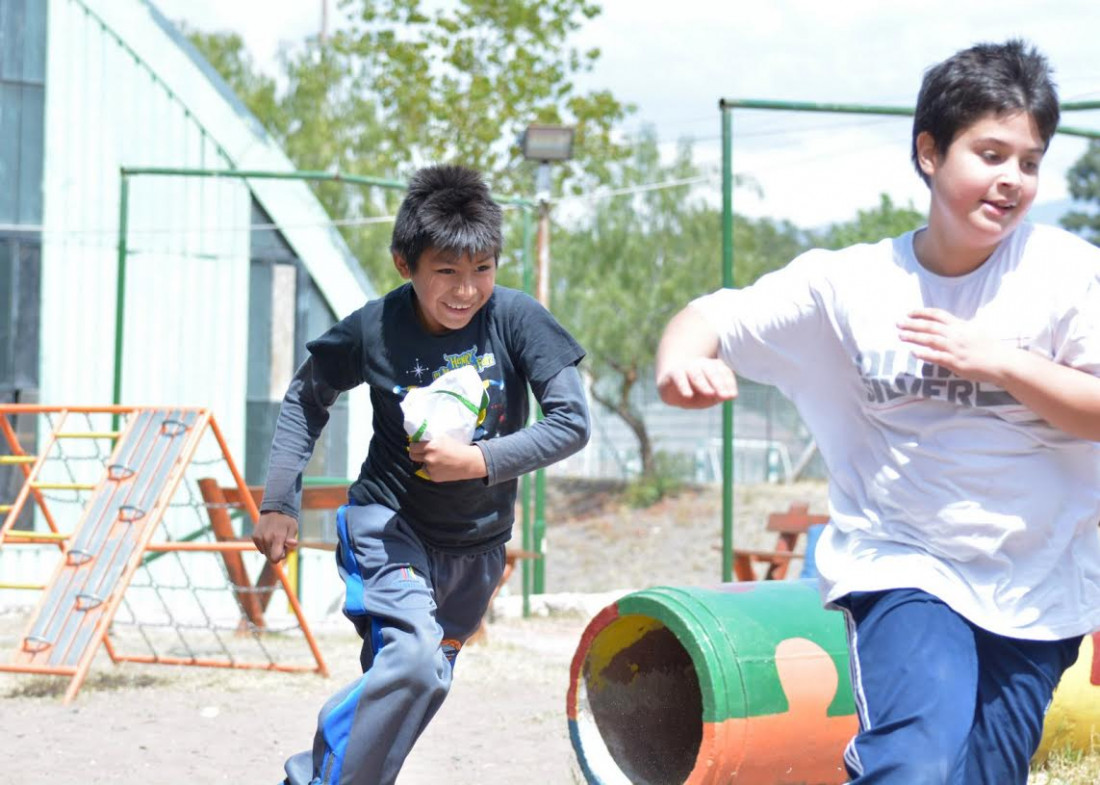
[(123, 91), (185, 331)]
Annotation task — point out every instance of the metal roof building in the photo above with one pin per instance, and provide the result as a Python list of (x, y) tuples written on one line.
[(226, 279)]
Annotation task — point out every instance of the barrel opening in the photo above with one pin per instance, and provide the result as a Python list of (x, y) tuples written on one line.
[(646, 702)]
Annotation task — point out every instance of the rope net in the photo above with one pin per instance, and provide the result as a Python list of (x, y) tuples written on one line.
[(155, 538)]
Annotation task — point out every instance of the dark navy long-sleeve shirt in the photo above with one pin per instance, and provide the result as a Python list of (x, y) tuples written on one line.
[(512, 341)]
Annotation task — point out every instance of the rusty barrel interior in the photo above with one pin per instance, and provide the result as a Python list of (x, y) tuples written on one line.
[(698, 686), (648, 707)]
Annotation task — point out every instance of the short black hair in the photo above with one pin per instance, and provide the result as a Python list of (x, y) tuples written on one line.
[(448, 208), (985, 79)]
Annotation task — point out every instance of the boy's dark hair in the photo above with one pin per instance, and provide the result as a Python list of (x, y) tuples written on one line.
[(448, 208), (986, 78)]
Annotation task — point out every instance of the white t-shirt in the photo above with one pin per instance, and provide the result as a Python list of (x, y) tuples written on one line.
[(937, 482)]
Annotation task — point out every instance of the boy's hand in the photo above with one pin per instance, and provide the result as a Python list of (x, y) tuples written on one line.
[(275, 535), (955, 344), (445, 459), (697, 383)]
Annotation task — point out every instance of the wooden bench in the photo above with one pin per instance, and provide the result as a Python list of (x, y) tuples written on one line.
[(789, 527), (220, 498)]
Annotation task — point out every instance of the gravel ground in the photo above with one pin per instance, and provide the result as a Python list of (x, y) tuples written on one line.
[(504, 721)]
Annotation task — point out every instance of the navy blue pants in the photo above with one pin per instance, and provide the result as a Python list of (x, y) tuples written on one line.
[(941, 701), (414, 608)]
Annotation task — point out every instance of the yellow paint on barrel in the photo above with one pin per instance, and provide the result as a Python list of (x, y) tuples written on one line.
[(1073, 721)]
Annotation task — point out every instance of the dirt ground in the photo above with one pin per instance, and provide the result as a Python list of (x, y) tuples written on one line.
[(504, 721)]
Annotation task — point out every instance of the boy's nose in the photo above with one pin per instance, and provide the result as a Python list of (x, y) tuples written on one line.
[(464, 285), (1011, 176)]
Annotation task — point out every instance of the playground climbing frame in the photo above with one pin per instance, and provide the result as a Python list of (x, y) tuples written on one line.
[(133, 497)]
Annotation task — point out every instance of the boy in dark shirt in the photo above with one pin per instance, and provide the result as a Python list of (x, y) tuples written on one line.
[(421, 541)]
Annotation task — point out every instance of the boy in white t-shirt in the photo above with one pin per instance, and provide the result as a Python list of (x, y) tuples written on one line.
[(950, 378)]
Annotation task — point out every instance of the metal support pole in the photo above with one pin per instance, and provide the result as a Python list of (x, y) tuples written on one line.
[(727, 281), (542, 196), (527, 572), (238, 174), (542, 288), (120, 291)]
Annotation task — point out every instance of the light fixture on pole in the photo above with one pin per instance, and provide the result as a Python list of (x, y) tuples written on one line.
[(545, 143)]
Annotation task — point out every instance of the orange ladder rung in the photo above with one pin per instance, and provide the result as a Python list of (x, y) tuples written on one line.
[(63, 486), (12, 459), (23, 534), (87, 434)]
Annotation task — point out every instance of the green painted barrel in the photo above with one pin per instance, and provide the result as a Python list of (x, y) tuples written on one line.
[(745, 682)]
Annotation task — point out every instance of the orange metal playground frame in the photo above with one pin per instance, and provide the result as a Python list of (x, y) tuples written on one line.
[(149, 458)]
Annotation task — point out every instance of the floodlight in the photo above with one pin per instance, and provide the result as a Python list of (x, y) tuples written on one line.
[(547, 142)]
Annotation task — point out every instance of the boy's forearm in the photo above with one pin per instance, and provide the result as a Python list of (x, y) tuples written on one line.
[(1065, 397), (688, 372), (302, 417), (564, 429), (687, 336)]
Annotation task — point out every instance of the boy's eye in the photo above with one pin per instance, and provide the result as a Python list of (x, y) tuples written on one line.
[(1030, 166), (991, 156)]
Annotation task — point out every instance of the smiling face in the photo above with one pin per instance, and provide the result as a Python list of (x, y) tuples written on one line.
[(982, 187), (449, 288)]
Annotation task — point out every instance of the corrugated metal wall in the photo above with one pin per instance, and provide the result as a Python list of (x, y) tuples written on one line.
[(22, 71), (186, 320)]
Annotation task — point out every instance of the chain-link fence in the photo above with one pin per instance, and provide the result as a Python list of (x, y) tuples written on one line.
[(771, 442)]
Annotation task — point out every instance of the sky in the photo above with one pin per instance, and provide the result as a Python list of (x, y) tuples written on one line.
[(674, 61)]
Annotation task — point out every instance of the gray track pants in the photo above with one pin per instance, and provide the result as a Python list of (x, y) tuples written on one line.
[(413, 607)]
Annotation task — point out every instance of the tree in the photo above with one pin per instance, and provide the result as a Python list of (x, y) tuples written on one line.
[(761, 245), (461, 82), (402, 86), (1083, 179), (227, 54), (870, 226), (622, 273)]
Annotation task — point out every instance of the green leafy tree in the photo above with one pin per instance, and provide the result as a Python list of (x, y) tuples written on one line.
[(636, 259), (461, 81), (404, 85), (870, 226), (761, 245), (227, 53), (1083, 180)]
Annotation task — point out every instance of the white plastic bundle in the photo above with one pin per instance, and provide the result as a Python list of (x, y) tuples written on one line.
[(453, 405)]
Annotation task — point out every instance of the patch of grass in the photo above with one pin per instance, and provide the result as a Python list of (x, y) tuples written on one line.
[(39, 687), (669, 475), (55, 687), (1068, 767)]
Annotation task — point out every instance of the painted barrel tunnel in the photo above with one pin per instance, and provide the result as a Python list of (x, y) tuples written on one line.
[(743, 682), (700, 686)]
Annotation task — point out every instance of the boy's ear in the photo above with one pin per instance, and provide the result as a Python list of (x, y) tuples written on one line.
[(926, 153), (402, 266)]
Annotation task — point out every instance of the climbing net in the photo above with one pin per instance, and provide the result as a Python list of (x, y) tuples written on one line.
[(155, 541)]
